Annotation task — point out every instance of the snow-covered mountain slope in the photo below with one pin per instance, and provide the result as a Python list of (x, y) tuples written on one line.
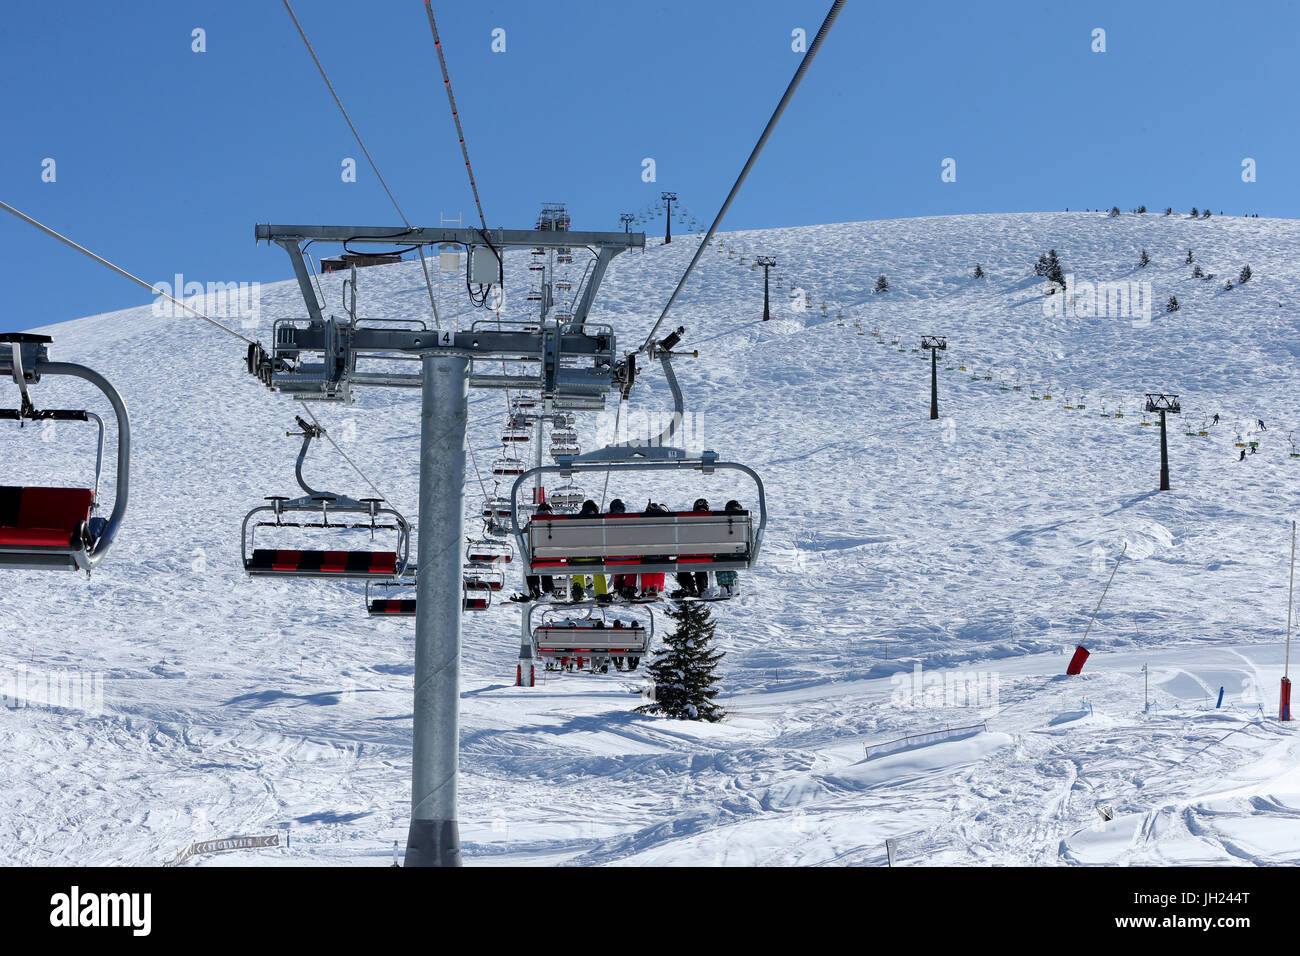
[(973, 547)]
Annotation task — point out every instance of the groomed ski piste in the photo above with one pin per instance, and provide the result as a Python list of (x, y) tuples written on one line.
[(966, 555)]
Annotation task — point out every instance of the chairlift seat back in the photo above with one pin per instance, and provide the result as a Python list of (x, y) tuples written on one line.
[(322, 564), (43, 527), (565, 639), (644, 543), (392, 607)]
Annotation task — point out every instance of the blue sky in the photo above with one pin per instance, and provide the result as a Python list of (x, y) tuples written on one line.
[(166, 157)]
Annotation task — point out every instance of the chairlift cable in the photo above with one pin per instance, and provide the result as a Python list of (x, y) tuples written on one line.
[(119, 270), (455, 114), (428, 283), (758, 148)]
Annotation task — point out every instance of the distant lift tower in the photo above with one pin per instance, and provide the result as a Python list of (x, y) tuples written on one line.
[(1162, 404), (626, 219), (322, 358), (767, 262), (669, 198), (935, 344)]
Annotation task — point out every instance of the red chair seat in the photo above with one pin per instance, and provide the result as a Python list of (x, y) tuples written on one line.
[(42, 517)]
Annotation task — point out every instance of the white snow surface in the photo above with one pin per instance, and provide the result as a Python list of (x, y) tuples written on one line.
[(976, 545)]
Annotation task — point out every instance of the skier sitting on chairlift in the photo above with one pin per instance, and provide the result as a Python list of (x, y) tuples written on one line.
[(537, 584), (589, 508)]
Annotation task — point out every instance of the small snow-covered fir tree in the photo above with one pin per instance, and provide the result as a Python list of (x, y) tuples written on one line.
[(882, 284), (1172, 304), (1144, 260), (979, 271), (683, 669), (1245, 275)]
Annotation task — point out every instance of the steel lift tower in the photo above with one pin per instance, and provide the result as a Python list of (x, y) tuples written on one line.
[(767, 262), (934, 344), (669, 198), (573, 367), (1164, 404)]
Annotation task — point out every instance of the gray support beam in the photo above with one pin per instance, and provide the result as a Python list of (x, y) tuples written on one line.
[(400, 235), (304, 278), (603, 258), (434, 835)]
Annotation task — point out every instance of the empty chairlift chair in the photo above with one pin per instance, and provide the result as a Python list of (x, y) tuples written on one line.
[(330, 515), (488, 550), (565, 498), (515, 434), (403, 606), (508, 466), (49, 528)]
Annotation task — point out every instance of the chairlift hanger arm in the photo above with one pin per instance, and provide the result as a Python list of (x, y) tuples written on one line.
[(308, 432)]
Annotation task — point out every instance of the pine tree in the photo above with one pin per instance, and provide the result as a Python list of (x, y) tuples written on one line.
[(1055, 273), (683, 669), (1114, 211), (1205, 214), (1245, 275), (1169, 210), (979, 271), (1197, 272), (1189, 257), (1144, 260), (1142, 210), (1172, 305), (1195, 212), (882, 285)]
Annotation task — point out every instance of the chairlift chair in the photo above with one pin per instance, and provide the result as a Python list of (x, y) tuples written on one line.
[(569, 639), (508, 466), (483, 577), (635, 543), (324, 511), (54, 528), (390, 607), (497, 506), (514, 434), (564, 498), (565, 450), (488, 550)]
